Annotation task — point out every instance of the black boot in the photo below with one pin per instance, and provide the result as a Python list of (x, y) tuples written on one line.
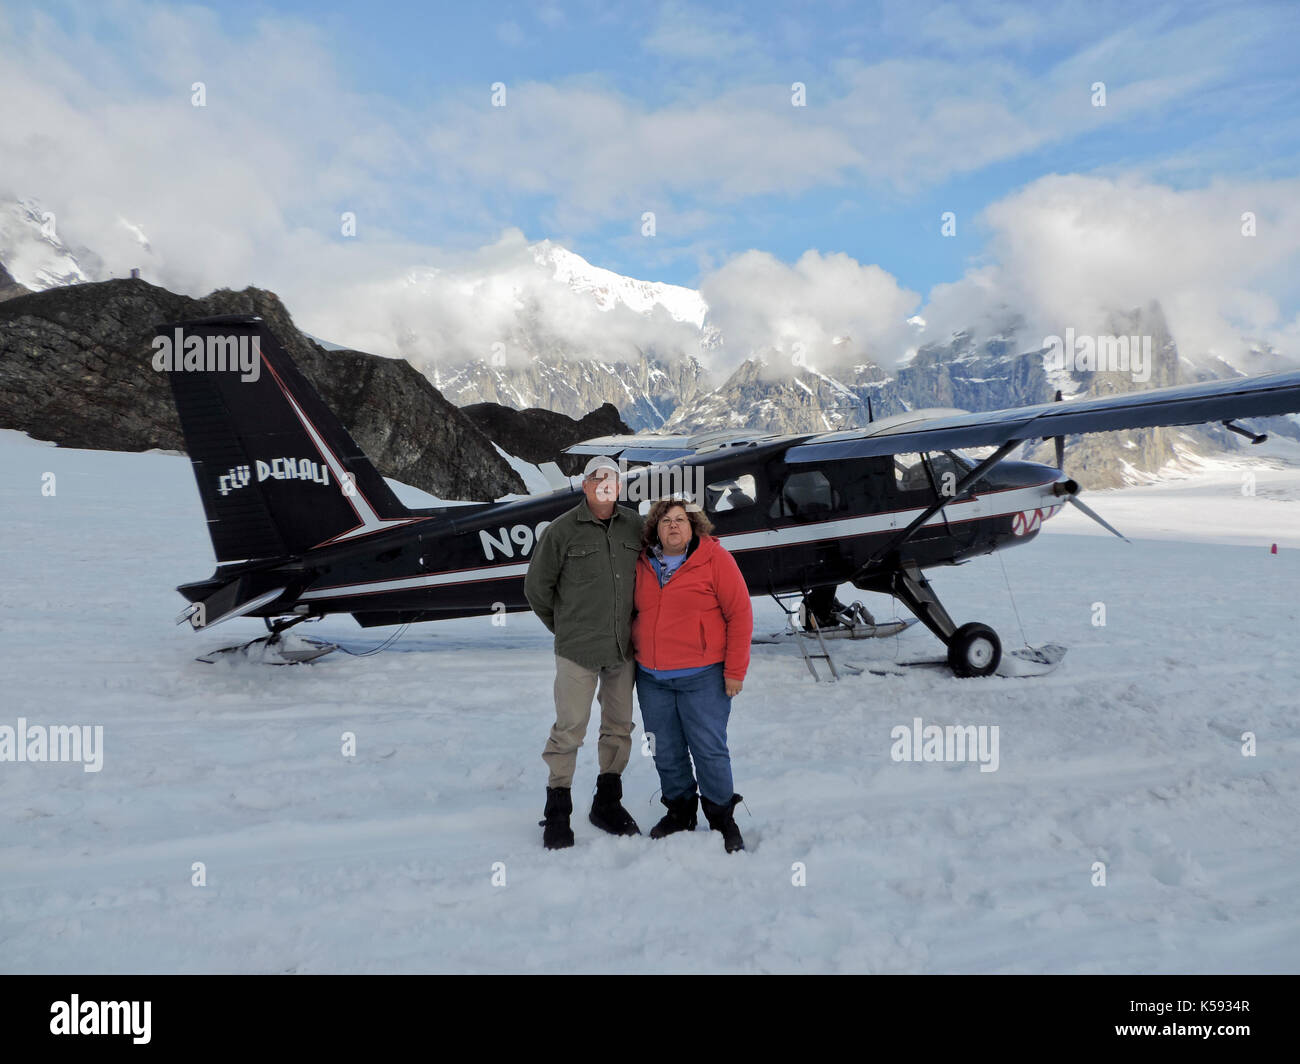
[(559, 804), (607, 811), (721, 819), (680, 816)]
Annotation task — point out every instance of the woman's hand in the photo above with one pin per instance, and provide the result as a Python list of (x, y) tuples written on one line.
[(733, 687)]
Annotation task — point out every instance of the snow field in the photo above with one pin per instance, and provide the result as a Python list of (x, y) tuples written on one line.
[(1130, 754)]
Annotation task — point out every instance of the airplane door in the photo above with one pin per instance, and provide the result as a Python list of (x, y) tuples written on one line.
[(918, 480), (945, 474), (806, 497)]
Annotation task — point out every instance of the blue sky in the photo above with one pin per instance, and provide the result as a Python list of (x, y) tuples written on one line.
[(1238, 115), (913, 109)]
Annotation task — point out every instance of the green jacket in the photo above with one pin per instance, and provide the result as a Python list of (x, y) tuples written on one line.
[(581, 581)]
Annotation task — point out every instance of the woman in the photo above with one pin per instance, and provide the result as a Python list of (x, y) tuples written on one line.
[(691, 637)]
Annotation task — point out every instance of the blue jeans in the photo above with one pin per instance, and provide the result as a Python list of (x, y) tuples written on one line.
[(688, 719)]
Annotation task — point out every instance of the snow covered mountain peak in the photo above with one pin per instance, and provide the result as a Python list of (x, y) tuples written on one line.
[(610, 289), (31, 249)]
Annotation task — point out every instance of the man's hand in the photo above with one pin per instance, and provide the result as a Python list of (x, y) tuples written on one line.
[(733, 687)]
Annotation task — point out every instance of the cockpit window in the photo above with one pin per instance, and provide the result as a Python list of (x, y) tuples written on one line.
[(804, 494), (731, 494), (947, 471), (948, 468), (911, 473)]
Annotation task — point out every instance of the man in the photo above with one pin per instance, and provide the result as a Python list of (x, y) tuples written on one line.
[(580, 583)]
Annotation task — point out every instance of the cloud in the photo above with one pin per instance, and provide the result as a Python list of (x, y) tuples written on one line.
[(502, 300), (226, 193), (594, 155), (825, 311), (284, 143), (250, 188), (1067, 249)]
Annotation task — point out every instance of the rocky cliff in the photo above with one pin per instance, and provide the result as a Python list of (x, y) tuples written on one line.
[(9, 288), (75, 368), (1113, 459), (646, 391), (970, 374), (538, 435)]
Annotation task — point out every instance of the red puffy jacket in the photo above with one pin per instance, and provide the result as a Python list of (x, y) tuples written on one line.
[(700, 617)]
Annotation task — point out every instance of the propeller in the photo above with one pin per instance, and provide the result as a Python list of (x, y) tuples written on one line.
[(1059, 441), (1074, 500), (1071, 487)]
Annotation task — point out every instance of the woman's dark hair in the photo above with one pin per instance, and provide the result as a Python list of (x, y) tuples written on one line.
[(700, 524)]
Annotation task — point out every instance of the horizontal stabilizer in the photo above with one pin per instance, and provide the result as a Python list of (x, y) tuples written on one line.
[(555, 476), (236, 599)]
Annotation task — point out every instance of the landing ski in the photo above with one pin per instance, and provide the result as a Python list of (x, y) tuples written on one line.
[(274, 650), (858, 631), (1026, 661)]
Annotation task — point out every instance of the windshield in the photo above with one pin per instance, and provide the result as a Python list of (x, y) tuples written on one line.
[(948, 467)]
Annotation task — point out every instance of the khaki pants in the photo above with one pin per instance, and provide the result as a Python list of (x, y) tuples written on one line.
[(574, 688)]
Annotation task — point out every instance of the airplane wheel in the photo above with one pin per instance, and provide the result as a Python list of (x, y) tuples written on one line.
[(974, 650)]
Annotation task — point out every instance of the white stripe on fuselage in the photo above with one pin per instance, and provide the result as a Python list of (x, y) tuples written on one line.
[(408, 583), (992, 504), (371, 522)]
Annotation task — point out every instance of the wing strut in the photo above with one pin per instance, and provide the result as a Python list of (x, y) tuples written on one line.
[(958, 493)]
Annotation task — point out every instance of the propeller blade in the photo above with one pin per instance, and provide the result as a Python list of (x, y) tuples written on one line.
[(1059, 440), (1097, 517)]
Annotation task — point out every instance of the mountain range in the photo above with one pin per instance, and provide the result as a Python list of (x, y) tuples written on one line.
[(672, 387)]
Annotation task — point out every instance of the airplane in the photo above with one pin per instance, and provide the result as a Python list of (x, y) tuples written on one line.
[(303, 526)]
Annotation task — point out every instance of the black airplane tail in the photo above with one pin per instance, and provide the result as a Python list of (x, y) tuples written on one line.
[(277, 472)]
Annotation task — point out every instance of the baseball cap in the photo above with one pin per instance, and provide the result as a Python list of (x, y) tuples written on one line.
[(599, 464)]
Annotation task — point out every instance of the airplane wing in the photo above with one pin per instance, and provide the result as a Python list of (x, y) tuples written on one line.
[(1184, 404), (651, 447)]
